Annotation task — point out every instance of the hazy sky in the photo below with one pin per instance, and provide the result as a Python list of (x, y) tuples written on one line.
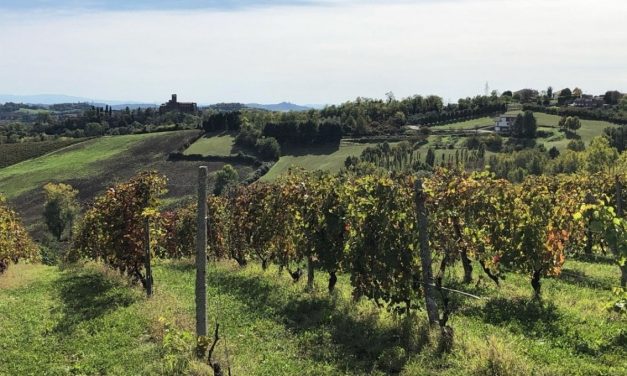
[(317, 51)]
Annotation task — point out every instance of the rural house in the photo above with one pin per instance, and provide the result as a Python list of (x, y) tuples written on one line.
[(504, 123)]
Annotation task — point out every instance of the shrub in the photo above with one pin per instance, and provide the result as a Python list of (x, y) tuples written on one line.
[(268, 148)]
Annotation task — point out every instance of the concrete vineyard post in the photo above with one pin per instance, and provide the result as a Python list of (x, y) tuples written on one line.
[(425, 254), (201, 255)]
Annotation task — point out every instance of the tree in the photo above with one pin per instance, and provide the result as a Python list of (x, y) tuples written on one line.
[(430, 157), (577, 93), (570, 123), (529, 125), (576, 145), (564, 96), (573, 123), (617, 137), (526, 95), (600, 155), (612, 97), (225, 178), (525, 125), (94, 129), (268, 148), (517, 127), (549, 92), (308, 131), (329, 131), (554, 152), (61, 208)]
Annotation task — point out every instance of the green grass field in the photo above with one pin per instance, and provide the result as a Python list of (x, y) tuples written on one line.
[(467, 125), (214, 144), (96, 164), (31, 111), (88, 320), (316, 158), (589, 129), (81, 161), (11, 154)]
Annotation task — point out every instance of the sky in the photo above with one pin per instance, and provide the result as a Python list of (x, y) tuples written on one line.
[(308, 51)]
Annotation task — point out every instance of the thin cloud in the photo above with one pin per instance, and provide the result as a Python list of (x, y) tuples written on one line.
[(314, 54)]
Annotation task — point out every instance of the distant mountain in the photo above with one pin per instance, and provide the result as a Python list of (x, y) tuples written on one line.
[(283, 107), (48, 99)]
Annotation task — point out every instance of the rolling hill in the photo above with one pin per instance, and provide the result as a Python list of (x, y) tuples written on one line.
[(92, 166)]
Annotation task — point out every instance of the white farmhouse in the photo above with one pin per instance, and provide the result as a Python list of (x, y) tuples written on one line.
[(504, 123)]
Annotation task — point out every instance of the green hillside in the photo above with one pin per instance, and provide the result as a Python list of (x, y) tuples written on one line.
[(311, 158), (15, 153), (93, 165), (589, 129), (213, 144)]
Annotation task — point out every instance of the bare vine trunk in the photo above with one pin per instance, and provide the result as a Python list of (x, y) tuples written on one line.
[(466, 263), (310, 273), (535, 283), (332, 281)]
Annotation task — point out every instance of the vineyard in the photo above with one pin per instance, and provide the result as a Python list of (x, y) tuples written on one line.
[(421, 248), (11, 154)]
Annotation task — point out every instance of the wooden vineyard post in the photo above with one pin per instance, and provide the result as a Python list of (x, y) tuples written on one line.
[(201, 255), (425, 254), (147, 260)]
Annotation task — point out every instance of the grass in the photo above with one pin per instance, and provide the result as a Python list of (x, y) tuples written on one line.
[(31, 111), (73, 322), (90, 321), (548, 123), (94, 165), (466, 125), (222, 144), (328, 158), (11, 154), (81, 161), (589, 129)]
